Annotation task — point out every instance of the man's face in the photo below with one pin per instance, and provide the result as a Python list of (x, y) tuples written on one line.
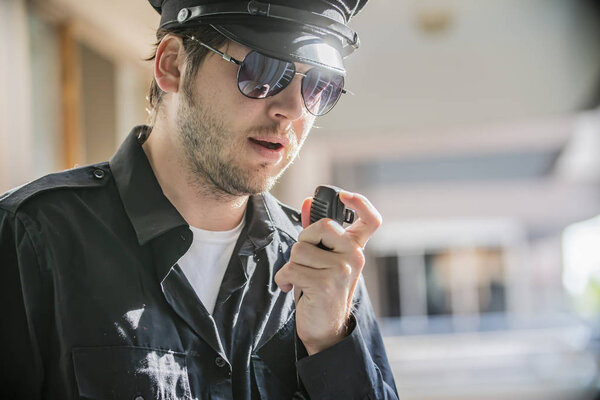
[(235, 144)]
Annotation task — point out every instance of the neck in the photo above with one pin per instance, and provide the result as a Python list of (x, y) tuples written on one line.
[(198, 202)]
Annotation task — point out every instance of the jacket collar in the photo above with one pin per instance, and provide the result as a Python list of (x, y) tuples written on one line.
[(152, 214), (269, 210), (149, 211)]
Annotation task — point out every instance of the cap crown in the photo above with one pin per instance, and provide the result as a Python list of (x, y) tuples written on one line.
[(340, 10), (313, 32)]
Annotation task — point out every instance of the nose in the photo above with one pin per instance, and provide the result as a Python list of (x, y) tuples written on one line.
[(288, 104)]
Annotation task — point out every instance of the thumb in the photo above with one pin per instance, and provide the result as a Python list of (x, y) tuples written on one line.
[(306, 211)]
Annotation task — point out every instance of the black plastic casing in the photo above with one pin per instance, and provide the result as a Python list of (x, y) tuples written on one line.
[(326, 203)]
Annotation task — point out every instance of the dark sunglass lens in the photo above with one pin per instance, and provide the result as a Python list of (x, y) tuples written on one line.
[(261, 76), (321, 90)]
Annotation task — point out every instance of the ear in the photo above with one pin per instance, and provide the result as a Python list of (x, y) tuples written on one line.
[(168, 63)]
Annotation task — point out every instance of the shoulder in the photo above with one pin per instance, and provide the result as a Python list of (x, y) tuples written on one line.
[(89, 176)]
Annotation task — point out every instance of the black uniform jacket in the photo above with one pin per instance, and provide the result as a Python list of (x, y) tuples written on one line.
[(95, 305)]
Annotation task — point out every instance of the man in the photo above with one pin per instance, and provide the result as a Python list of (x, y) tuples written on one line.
[(170, 272)]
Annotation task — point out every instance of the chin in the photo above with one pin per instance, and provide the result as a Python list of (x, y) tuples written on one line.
[(253, 180), (264, 178), (262, 186)]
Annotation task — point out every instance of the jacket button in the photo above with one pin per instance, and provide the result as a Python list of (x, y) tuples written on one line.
[(138, 398), (99, 174), (220, 362)]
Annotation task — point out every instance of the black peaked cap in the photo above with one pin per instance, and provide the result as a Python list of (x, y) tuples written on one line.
[(313, 32)]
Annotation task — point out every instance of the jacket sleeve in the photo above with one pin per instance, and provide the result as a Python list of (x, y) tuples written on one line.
[(21, 366), (354, 368)]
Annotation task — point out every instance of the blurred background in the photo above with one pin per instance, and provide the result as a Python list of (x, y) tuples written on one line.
[(474, 128)]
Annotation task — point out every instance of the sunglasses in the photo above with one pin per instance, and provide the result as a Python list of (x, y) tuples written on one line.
[(261, 76)]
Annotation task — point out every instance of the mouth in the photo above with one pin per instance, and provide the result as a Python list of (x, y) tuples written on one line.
[(267, 144)]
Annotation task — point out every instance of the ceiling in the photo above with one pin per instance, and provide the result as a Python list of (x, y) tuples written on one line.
[(493, 61), (423, 64)]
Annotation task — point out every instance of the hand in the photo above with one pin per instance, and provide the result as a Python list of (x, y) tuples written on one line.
[(327, 279)]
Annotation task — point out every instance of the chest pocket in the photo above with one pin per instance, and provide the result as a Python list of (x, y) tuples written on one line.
[(130, 373)]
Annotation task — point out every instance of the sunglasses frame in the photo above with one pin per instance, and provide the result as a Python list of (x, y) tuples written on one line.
[(237, 62)]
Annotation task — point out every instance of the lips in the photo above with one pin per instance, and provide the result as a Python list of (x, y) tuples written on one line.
[(269, 147), (267, 144)]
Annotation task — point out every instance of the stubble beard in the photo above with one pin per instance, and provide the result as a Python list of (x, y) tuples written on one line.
[(209, 154)]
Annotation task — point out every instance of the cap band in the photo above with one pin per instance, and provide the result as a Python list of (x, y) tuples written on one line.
[(314, 22)]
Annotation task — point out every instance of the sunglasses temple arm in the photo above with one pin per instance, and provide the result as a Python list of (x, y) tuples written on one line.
[(224, 56)]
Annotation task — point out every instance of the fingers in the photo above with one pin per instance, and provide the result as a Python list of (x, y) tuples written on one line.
[(328, 232), (326, 278), (293, 275), (313, 280), (310, 266), (369, 219), (309, 255)]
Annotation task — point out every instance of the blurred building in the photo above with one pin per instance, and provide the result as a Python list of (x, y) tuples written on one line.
[(474, 128), (75, 84)]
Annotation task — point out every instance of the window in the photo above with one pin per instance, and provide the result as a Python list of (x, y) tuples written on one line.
[(447, 282)]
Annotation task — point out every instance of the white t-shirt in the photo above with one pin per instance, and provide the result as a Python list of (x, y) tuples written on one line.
[(205, 262)]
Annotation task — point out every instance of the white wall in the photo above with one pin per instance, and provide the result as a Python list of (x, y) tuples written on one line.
[(16, 137)]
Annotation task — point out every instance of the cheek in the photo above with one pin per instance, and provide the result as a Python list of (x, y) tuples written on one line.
[(217, 83), (302, 127)]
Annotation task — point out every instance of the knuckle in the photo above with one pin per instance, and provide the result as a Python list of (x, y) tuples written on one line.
[(309, 231), (345, 270), (295, 249), (324, 221), (333, 227), (287, 268), (319, 225), (340, 264), (285, 273), (305, 232), (291, 268), (378, 219), (341, 269), (280, 275)]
